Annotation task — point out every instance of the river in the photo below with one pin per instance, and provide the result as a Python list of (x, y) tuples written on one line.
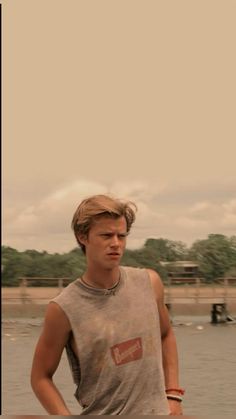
[(207, 358)]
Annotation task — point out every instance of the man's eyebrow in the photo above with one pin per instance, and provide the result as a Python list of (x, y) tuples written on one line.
[(125, 233)]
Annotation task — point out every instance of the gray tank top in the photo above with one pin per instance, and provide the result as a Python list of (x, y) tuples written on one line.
[(117, 335)]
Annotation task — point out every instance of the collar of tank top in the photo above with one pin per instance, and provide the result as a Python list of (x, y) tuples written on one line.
[(106, 290)]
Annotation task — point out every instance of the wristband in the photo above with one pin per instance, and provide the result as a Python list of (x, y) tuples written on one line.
[(178, 390), (174, 397)]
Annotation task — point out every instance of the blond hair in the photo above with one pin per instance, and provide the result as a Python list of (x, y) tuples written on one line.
[(96, 206)]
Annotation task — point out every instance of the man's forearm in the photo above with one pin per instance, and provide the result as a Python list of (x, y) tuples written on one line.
[(50, 397), (170, 360)]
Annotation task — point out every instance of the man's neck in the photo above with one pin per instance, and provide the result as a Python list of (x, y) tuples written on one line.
[(103, 278)]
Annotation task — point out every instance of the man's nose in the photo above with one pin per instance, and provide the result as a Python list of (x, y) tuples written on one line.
[(115, 240)]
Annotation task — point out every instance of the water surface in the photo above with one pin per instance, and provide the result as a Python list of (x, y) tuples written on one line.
[(207, 357)]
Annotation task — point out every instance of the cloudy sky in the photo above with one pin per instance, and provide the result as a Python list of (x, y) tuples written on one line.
[(132, 98)]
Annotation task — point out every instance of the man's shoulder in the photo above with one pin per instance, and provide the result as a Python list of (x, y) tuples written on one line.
[(131, 268), (135, 272), (142, 272), (67, 292)]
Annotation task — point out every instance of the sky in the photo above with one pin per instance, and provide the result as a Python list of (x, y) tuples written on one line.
[(131, 98)]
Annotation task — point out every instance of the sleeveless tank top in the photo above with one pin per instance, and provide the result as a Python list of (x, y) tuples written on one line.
[(117, 336)]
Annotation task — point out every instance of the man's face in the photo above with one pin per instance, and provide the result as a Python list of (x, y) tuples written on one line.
[(106, 242)]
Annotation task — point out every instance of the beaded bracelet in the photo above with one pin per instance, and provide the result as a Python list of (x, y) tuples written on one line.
[(174, 397), (179, 390)]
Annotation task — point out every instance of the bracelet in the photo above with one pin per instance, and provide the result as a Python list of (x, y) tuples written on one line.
[(174, 397), (179, 390)]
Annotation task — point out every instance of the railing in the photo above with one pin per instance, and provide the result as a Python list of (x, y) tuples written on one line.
[(32, 289), (25, 283), (222, 291), (44, 281), (197, 291)]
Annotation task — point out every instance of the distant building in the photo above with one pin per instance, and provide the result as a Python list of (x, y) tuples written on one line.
[(182, 271)]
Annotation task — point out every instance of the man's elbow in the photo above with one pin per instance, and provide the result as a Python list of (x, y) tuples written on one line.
[(34, 380), (37, 378)]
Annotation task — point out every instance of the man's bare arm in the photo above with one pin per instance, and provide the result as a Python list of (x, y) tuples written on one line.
[(47, 356), (169, 347)]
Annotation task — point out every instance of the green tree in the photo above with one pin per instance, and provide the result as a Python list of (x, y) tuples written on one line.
[(14, 265), (167, 250), (215, 255), (144, 258)]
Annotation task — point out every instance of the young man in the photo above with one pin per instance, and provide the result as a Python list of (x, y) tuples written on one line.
[(113, 324)]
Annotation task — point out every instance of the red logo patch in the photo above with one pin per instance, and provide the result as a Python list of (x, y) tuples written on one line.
[(128, 351)]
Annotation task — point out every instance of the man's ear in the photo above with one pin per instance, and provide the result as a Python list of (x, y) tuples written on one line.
[(83, 238)]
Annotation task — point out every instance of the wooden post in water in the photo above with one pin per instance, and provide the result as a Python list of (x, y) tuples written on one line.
[(214, 318), (60, 284), (23, 290)]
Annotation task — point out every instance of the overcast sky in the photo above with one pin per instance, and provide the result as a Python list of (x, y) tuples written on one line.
[(134, 98)]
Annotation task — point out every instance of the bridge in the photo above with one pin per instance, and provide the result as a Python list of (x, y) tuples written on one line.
[(219, 298), (200, 293)]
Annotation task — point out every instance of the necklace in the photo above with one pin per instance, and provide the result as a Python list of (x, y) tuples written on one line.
[(92, 286)]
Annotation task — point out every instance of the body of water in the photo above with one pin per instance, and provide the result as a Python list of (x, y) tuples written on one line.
[(207, 358)]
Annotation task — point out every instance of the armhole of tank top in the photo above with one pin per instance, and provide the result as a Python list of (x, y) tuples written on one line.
[(73, 360), (54, 301), (150, 284)]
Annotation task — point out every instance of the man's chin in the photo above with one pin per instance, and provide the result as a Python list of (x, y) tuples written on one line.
[(113, 263)]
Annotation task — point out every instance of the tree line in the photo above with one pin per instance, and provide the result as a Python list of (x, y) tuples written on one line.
[(215, 256)]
